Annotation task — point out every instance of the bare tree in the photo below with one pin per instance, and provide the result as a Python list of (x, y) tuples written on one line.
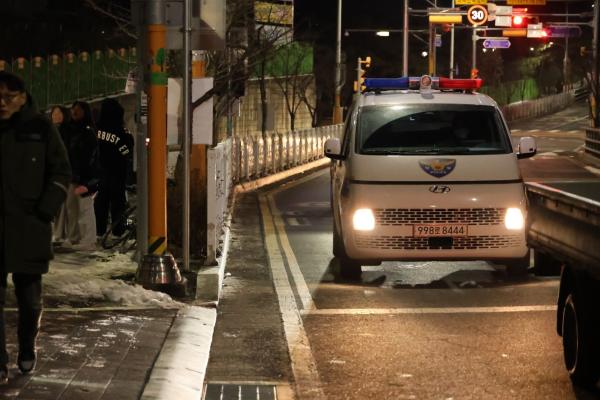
[(291, 67)]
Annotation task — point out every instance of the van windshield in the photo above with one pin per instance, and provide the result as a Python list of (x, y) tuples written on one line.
[(431, 129)]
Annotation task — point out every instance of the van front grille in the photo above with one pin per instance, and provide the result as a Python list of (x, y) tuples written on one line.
[(410, 216), (425, 243)]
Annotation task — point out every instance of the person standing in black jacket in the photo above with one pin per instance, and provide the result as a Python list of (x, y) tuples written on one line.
[(34, 174), (116, 156), (82, 146)]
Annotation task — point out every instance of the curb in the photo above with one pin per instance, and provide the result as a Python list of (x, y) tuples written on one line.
[(209, 280), (179, 370)]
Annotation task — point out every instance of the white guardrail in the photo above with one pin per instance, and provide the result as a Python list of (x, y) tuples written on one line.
[(243, 159)]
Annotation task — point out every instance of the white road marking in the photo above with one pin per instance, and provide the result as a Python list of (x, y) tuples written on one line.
[(304, 367), (428, 310), (293, 221), (554, 130), (515, 130), (301, 287), (574, 131), (533, 130)]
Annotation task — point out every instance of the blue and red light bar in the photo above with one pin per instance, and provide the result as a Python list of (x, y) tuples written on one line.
[(423, 82)]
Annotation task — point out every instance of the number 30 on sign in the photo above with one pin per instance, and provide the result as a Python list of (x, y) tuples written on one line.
[(477, 15)]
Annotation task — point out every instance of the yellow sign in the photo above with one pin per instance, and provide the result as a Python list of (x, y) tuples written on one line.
[(525, 2), (470, 2), (445, 19), (274, 13)]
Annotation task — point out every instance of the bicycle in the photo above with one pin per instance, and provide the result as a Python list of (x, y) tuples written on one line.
[(126, 222)]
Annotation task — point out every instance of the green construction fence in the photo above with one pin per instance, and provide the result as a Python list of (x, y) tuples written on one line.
[(64, 78)]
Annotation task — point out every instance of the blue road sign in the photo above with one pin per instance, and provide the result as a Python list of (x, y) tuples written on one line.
[(562, 31), (496, 43)]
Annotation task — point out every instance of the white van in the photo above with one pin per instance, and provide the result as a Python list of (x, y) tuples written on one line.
[(426, 171)]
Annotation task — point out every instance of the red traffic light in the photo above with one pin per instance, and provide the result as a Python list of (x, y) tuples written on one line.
[(518, 20)]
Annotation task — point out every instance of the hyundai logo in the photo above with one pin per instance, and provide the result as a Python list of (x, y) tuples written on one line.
[(439, 189)]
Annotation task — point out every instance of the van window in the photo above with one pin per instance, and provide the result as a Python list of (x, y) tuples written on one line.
[(431, 129)]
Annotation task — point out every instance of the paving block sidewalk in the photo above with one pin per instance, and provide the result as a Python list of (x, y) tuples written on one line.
[(90, 354)]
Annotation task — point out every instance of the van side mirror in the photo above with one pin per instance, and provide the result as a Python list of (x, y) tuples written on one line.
[(527, 147), (333, 149)]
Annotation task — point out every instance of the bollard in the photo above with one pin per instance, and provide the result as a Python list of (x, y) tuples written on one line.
[(160, 272)]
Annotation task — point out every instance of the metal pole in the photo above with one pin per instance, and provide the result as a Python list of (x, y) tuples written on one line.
[(405, 40), (595, 93), (566, 58), (141, 156), (187, 97), (452, 47), (474, 54), (431, 49), (337, 111)]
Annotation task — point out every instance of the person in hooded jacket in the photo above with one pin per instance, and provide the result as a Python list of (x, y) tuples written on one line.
[(34, 174), (82, 147), (116, 156)]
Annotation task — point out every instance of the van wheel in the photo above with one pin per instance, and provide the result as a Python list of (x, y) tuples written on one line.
[(578, 347), (518, 266), (338, 242), (346, 269), (545, 265)]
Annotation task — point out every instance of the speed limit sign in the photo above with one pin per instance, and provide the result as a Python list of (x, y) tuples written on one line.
[(477, 15)]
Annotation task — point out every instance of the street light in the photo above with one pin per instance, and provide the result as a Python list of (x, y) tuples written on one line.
[(383, 33), (424, 54)]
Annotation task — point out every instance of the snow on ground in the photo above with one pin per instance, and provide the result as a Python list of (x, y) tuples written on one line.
[(92, 277)]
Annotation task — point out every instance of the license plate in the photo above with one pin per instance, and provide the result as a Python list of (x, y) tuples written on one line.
[(440, 230)]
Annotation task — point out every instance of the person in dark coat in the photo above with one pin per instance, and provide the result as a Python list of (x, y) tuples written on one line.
[(34, 175), (116, 155), (84, 156)]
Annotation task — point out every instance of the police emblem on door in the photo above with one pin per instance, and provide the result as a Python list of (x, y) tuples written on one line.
[(438, 167)]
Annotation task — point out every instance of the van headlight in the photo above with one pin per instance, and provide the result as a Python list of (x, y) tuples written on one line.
[(514, 219), (363, 220)]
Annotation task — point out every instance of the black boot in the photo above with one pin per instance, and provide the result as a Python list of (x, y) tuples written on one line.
[(28, 289)]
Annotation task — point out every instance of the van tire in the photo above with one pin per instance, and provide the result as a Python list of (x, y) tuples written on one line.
[(338, 243), (579, 349), (346, 269), (519, 266)]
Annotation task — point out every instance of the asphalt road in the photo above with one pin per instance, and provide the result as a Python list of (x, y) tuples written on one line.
[(426, 330), (411, 330)]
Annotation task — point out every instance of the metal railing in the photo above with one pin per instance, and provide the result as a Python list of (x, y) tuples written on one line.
[(62, 79), (592, 142), (242, 159)]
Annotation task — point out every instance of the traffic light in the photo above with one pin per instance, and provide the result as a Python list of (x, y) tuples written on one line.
[(518, 21), (363, 64)]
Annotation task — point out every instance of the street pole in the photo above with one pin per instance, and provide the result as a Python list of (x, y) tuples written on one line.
[(157, 124), (566, 58), (141, 112), (595, 68), (187, 128), (337, 108), (405, 40), (158, 269), (431, 49), (474, 54), (452, 47)]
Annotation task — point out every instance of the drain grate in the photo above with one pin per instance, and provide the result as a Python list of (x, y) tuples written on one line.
[(219, 391)]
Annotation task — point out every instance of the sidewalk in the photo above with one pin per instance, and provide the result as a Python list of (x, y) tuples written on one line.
[(103, 336)]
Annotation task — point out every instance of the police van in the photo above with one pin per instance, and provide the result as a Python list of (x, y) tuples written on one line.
[(426, 170)]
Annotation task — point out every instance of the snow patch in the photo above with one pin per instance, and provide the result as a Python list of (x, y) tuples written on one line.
[(95, 276)]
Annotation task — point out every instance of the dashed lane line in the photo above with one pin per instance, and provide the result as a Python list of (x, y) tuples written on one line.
[(304, 367), (428, 310)]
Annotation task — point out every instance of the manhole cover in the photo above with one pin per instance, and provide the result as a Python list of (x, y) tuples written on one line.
[(220, 391)]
